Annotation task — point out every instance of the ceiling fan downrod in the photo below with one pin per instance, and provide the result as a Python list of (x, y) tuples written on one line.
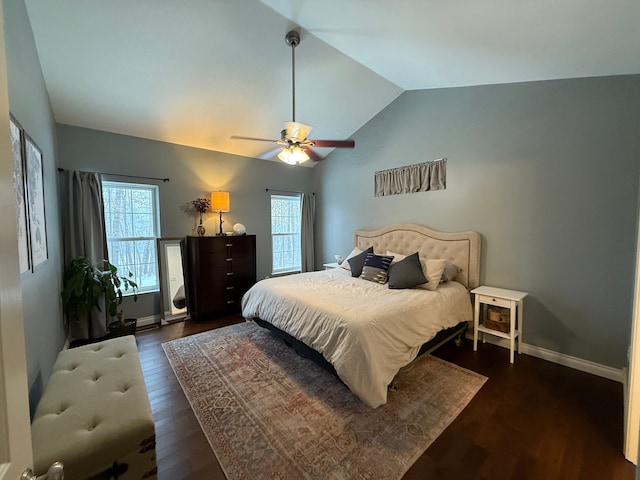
[(293, 40)]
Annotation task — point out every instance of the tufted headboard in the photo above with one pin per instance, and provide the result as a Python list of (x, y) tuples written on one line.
[(461, 248)]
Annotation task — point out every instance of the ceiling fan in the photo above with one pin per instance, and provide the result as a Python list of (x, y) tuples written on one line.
[(294, 146)]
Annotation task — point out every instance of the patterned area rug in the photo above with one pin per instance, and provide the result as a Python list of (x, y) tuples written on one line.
[(269, 413)]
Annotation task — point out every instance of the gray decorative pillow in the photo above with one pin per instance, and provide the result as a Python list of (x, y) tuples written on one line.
[(376, 267), (450, 272), (407, 273), (356, 263)]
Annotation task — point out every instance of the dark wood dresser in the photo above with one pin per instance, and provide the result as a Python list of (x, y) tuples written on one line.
[(219, 271)]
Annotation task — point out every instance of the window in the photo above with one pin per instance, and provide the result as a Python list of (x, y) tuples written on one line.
[(131, 217), (286, 219)]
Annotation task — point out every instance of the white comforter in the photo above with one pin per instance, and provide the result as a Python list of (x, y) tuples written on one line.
[(365, 330)]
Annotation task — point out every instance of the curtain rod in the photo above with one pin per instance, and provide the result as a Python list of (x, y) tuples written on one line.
[(122, 175), (284, 191)]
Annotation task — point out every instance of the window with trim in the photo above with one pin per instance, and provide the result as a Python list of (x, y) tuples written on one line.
[(286, 221), (132, 222)]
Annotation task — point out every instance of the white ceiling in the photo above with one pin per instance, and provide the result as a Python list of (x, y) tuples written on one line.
[(196, 72)]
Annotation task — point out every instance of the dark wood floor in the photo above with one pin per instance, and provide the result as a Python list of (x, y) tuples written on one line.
[(531, 420)]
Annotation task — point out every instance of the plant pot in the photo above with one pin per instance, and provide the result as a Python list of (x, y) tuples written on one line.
[(116, 329)]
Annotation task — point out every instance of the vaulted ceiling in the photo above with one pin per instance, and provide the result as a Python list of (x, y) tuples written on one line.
[(196, 72)]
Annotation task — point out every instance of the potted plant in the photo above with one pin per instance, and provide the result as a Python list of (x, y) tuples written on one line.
[(86, 283)]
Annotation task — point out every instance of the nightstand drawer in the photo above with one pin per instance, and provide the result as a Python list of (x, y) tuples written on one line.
[(498, 302)]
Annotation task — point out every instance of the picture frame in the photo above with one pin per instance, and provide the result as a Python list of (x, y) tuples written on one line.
[(35, 202), (17, 148)]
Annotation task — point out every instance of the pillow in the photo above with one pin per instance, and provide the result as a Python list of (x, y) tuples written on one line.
[(376, 267), (433, 269), (357, 262), (396, 256), (407, 273), (354, 252), (450, 272)]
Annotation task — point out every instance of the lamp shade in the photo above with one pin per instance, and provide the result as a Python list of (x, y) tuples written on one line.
[(219, 201)]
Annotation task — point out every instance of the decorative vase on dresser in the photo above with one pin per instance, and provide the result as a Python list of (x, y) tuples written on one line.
[(219, 271), (201, 230)]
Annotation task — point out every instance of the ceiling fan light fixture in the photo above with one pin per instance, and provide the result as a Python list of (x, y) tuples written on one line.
[(293, 155)]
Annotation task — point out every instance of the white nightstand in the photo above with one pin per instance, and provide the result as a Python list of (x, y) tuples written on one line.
[(501, 297), (329, 266)]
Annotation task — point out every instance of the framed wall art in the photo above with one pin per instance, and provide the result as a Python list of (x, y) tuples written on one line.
[(17, 148), (35, 202)]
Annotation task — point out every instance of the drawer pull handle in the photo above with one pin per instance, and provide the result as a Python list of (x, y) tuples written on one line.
[(230, 288), (229, 259), (229, 244), (229, 302), (229, 273)]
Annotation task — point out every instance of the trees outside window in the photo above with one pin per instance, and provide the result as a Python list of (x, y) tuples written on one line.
[(286, 221), (132, 221)]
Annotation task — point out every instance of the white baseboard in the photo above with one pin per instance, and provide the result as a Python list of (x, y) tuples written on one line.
[(587, 366), (168, 319), (148, 321)]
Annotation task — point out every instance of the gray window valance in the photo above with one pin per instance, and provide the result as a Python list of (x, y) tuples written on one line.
[(420, 177)]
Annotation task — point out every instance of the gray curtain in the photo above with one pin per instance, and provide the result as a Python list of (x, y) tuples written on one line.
[(306, 233), (421, 177), (84, 236)]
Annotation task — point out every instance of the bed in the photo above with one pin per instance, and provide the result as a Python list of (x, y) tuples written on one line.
[(364, 330)]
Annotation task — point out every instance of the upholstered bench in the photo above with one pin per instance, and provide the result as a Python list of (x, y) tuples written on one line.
[(94, 415)]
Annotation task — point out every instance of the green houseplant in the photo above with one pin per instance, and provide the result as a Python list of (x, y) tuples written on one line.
[(86, 283)]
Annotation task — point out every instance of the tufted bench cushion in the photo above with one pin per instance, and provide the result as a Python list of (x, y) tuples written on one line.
[(94, 415)]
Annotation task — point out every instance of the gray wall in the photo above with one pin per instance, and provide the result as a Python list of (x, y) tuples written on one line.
[(546, 172), (193, 173), (29, 103)]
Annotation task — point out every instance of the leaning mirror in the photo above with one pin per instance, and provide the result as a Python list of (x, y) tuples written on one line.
[(173, 299)]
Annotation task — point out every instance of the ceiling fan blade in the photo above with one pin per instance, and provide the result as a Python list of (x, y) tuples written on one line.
[(237, 137), (334, 143), (312, 155), (270, 153)]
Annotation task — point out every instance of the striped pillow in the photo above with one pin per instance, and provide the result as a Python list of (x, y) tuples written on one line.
[(376, 268)]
